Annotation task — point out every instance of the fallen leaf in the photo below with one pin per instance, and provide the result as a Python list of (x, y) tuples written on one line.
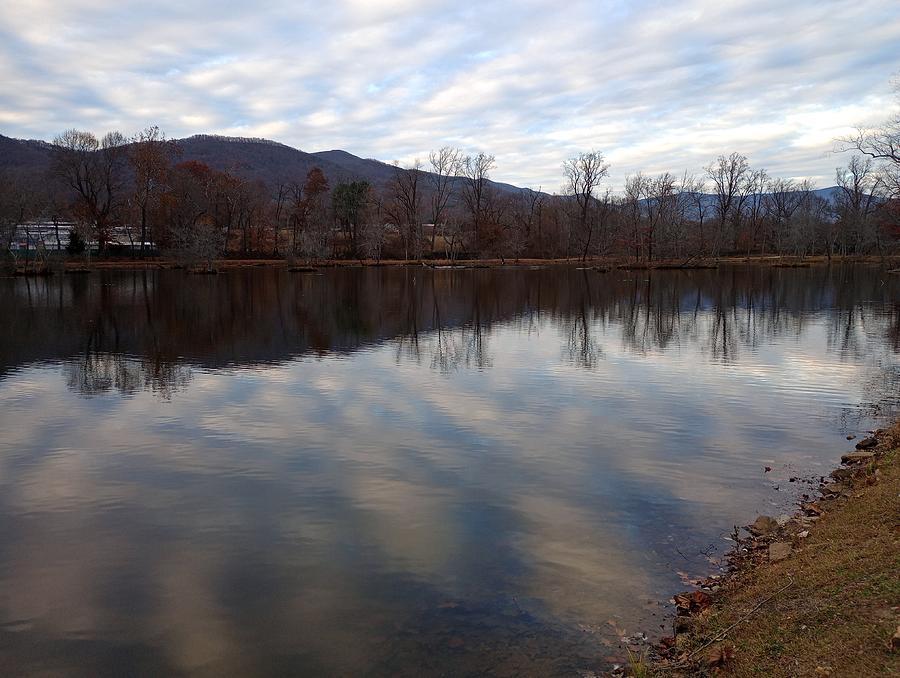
[(693, 602), (720, 655)]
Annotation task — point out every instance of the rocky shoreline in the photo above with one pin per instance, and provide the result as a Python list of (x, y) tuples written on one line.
[(698, 647)]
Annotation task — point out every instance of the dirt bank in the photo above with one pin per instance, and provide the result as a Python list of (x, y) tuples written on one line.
[(818, 595)]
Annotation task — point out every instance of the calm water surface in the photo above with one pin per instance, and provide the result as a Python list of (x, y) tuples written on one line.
[(404, 472)]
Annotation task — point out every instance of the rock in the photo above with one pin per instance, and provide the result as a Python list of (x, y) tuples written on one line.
[(824, 671), (804, 534), (843, 473), (851, 437), (811, 508), (895, 641), (857, 457), (833, 488), (866, 443), (763, 525), (779, 551)]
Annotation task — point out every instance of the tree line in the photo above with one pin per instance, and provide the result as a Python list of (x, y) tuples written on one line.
[(139, 190)]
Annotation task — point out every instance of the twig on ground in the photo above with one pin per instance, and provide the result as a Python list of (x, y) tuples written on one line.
[(724, 634)]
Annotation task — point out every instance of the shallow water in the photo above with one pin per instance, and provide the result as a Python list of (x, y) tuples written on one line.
[(405, 472)]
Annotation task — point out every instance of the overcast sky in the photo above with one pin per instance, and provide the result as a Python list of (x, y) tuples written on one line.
[(657, 86)]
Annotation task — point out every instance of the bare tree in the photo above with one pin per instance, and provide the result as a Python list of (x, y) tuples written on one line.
[(751, 204), (446, 165), (350, 203), (150, 156), (661, 202), (806, 219), (316, 235), (583, 175), (727, 175), (633, 212), (93, 170), (856, 202), (405, 204), (881, 144), (694, 191), (476, 189), (22, 200), (782, 202), (280, 214), (526, 212), (195, 231)]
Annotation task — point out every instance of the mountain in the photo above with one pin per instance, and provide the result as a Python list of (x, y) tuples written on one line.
[(375, 171), (19, 154), (276, 163), (253, 159), (269, 161)]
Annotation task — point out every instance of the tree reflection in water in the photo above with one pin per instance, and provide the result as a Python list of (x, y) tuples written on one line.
[(163, 318), (401, 471)]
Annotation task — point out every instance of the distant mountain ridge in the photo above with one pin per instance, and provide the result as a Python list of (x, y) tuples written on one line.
[(269, 161), (250, 158)]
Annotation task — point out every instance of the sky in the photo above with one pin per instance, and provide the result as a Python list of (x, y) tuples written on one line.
[(655, 86)]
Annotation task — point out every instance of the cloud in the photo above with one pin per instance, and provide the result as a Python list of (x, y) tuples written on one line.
[(656, 87)]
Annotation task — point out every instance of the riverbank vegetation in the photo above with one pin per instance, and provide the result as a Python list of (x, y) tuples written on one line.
[(137, 196), (818, 595)]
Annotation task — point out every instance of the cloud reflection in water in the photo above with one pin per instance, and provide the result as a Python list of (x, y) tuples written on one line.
[(392, 472)]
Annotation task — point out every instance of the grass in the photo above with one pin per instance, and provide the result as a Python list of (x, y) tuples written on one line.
[(637, 664), (841, 608)]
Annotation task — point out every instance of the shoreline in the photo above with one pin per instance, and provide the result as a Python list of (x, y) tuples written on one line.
[(597, 264), (814, 594)]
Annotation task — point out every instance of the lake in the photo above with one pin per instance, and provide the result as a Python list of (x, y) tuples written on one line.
[(406, 471)]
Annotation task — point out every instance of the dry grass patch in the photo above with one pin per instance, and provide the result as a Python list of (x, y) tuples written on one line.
[(840, 603)]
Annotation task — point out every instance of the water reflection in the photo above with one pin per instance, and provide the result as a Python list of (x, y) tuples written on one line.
[(402, 472), (95, 373)]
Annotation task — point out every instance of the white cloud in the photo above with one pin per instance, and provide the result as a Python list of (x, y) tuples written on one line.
[(656, 87)]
